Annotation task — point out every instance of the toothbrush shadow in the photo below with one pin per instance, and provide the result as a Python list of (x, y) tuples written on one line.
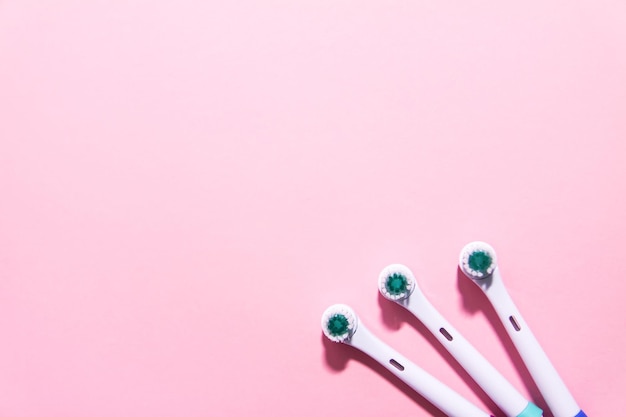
[(394, 315), (335, 354), (338, 355), (474, 300)]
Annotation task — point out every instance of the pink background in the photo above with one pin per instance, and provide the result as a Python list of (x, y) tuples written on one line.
[(186, 185)]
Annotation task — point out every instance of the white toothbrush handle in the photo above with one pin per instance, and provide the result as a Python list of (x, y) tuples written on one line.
[(435, 391), (552, 388), (509, 399)]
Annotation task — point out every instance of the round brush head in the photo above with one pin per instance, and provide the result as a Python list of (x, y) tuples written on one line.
[(339, 322), (396, 282), (477, 260)]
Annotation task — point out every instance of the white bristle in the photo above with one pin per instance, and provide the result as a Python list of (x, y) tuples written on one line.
[(387, 272), (471, 248), (343, 310)]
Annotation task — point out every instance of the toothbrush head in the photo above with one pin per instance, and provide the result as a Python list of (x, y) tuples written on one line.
[(339, 323), (477, 260), (396, 282)]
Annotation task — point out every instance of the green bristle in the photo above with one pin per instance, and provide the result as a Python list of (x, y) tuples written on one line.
[(480, 261), (338, 325), (396, 284)]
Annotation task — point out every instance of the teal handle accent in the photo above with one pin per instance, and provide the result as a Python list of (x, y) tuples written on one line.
[(531, 410)]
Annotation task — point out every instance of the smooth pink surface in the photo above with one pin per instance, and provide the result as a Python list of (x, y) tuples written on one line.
[(185, 186)]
